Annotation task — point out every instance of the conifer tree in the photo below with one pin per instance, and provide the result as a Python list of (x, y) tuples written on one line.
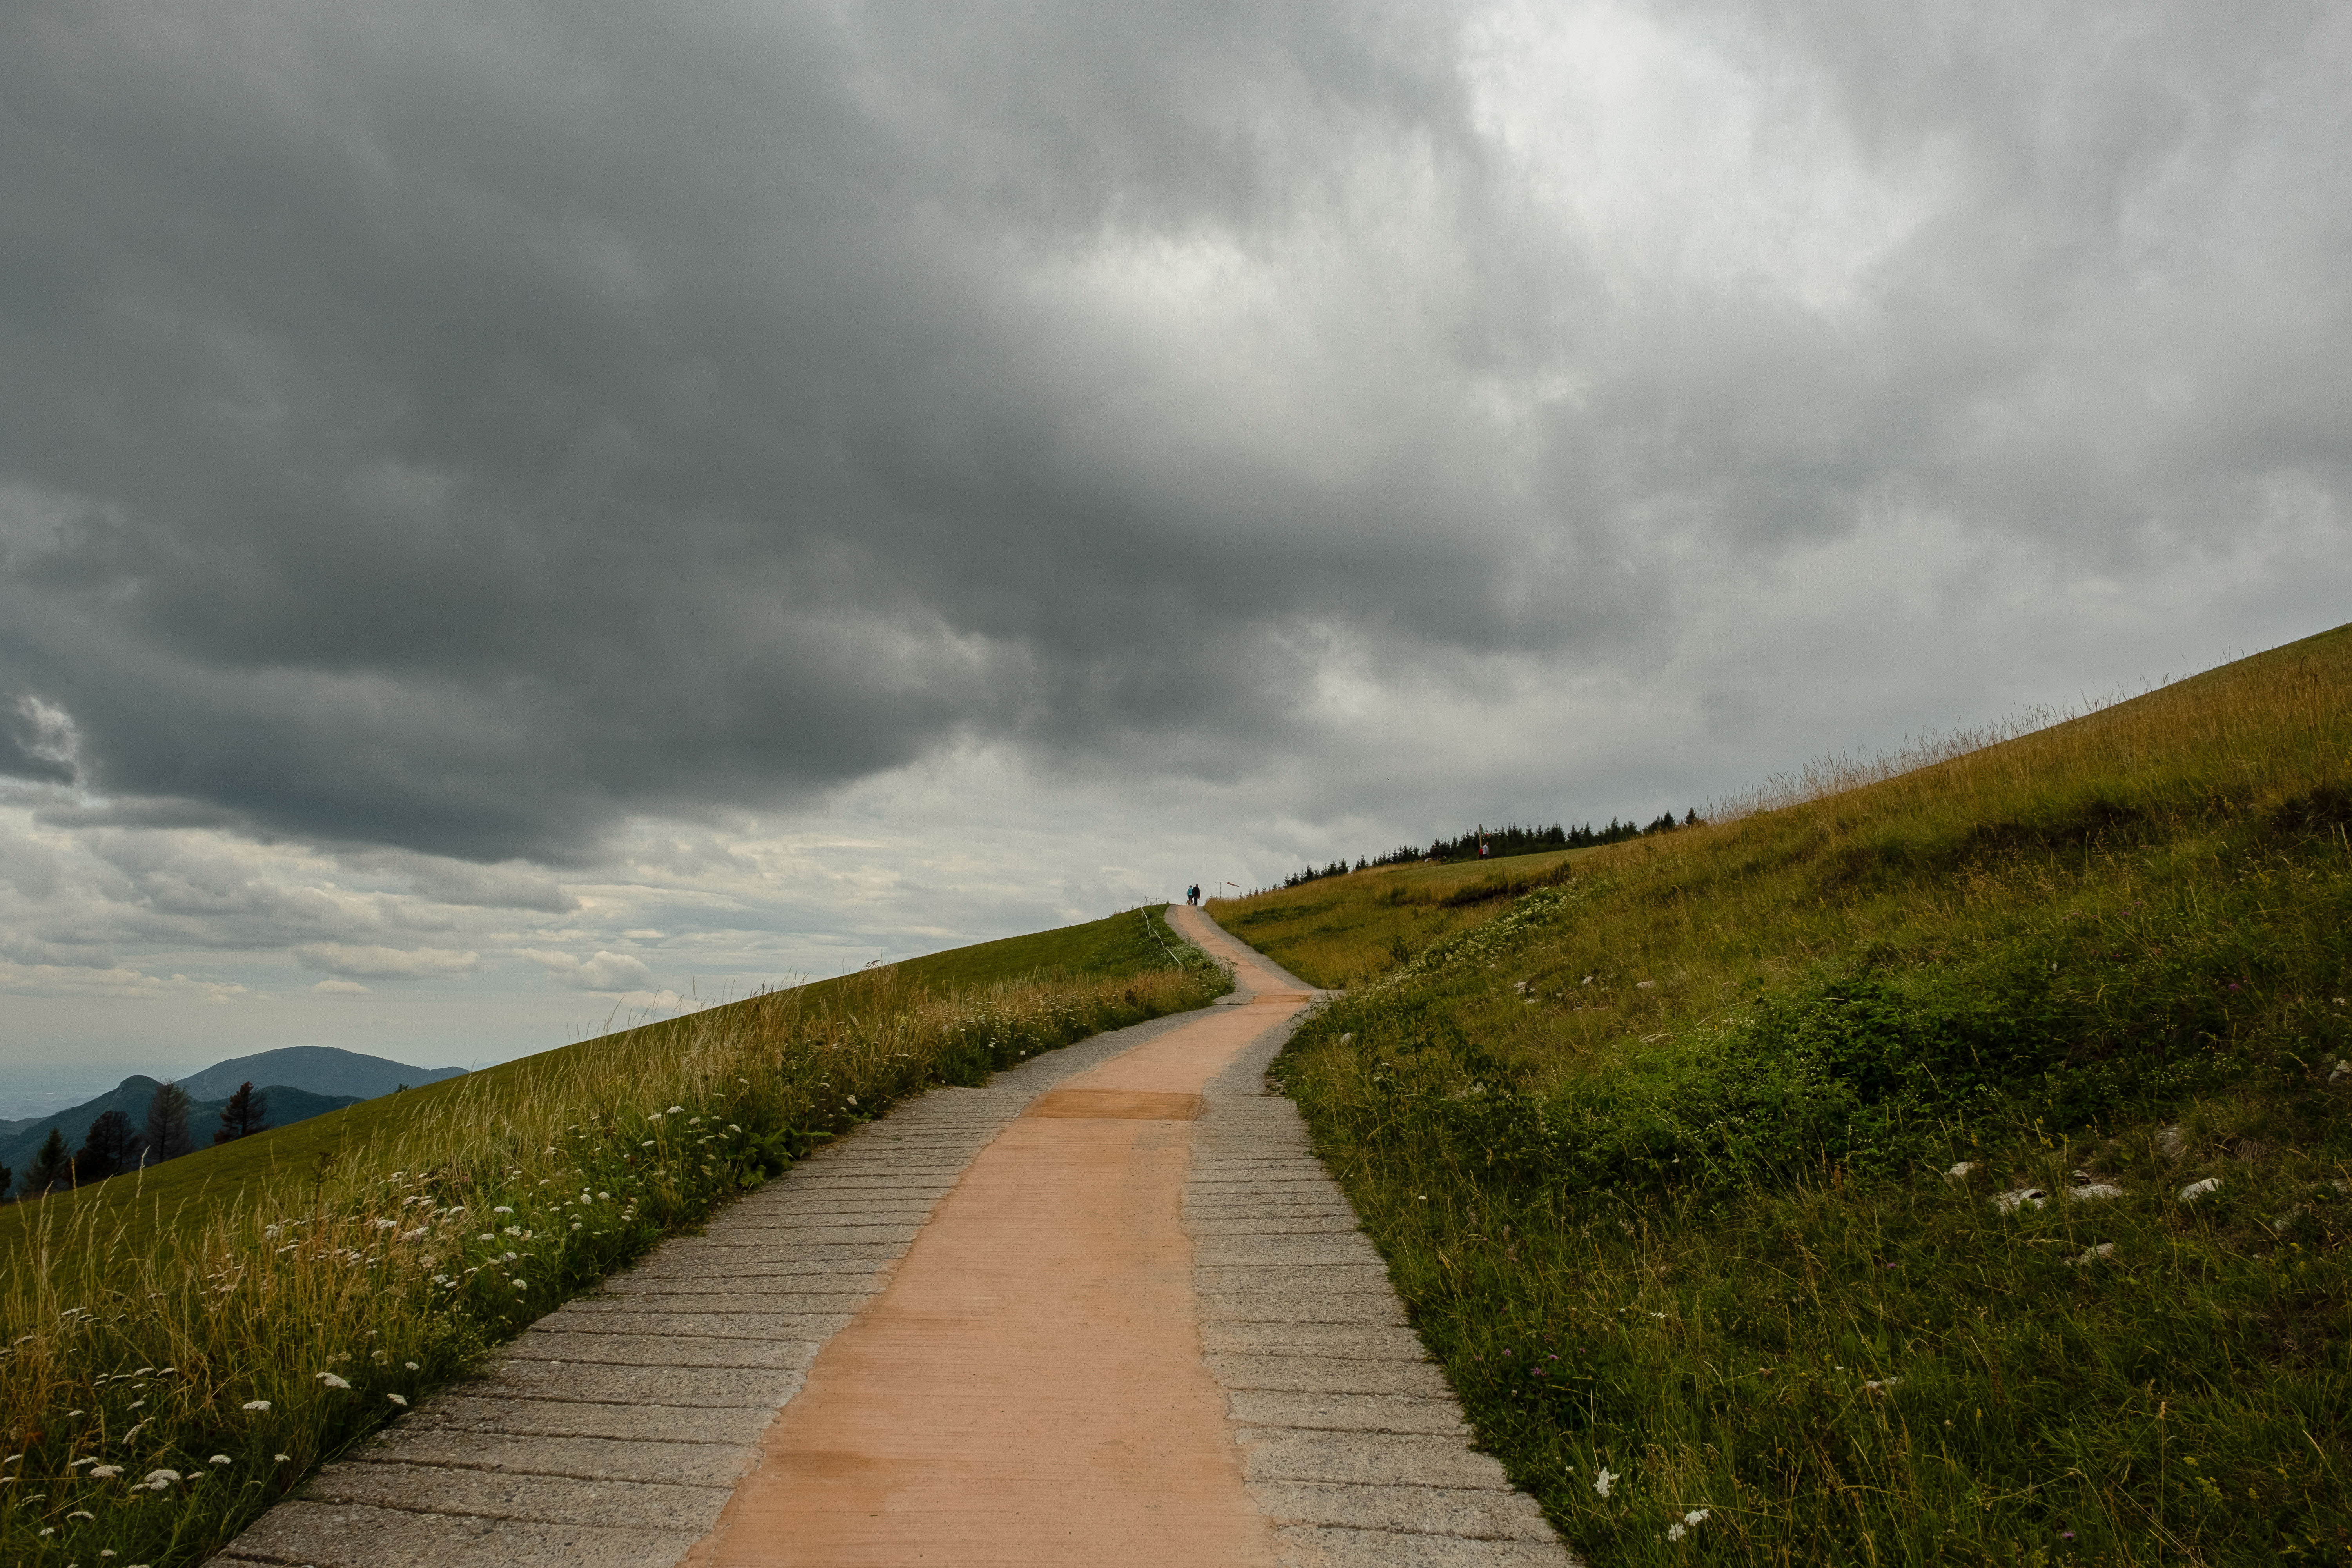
[(111, 1144), (167, 1123), (246, 1112), (52, 1166)]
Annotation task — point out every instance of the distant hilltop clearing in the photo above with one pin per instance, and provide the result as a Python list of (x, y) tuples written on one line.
[(321, 1070)]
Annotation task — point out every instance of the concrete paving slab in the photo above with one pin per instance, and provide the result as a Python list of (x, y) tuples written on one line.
[(724, 1426), (1347, 1412), (1394, 1458), (1322, 1547), (1320, 1375), (539, 1499), (1370, 1304), (575, 1457), (1416, 1509), (324, 1535), (677, 1389), (766, 1326), (1354, 1342), (678, 1352)]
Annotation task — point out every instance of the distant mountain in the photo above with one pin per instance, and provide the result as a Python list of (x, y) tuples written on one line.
[(287, 1104), (321, 1070)]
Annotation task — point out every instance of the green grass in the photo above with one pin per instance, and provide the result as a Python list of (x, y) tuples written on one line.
[(151, 1326), (1658, 1150)]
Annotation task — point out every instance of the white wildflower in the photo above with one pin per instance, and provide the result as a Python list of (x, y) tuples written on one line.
[(2195, 1190), (220, 1459), (332, 1381), (105, 1472), (503, 1209), (399, 1399), (1604, 1480), (256, 1405)]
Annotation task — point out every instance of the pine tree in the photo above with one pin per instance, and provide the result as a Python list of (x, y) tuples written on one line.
[(5, 1175), (167, 1123), (111, 1144), (52, 1166), (246, 1112)]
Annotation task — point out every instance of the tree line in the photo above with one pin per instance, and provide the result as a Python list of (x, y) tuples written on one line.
[(112, 1145), (1496, 843)]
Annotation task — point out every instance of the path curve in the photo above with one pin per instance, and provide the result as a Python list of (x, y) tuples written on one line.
[(1106, 1308)]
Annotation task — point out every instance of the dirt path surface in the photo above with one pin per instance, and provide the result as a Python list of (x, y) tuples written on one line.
[(1108, 1309), (1030, 1389)]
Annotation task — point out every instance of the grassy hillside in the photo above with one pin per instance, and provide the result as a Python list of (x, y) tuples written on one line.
[(225, 1323), (1704, 1167)]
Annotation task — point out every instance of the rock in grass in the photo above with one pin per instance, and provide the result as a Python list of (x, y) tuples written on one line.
[(2172, 1143), (2195, 1190), (2098, 1253), (2092, 1190), (2011, 1202)]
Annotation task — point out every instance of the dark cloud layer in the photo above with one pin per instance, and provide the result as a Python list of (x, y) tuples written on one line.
[(456, 429)]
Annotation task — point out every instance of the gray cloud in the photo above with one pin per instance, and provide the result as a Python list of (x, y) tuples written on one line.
[(445, 435), (385, 963)]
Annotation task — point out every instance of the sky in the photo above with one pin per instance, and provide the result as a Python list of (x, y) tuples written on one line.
[(517, 519)]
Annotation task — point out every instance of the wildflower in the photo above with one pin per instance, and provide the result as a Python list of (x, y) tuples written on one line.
[(2195, 1190), (220, 1459), (399, 1399), (503, 1209), (332, 1381), (82, 1513), (1604, 1480), (646, 1145), (677, 1111), (159, 1479), (105, 1472), (284, 1458), (410, 1365)]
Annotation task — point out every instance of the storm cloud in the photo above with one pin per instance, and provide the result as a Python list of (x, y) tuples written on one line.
[(436, 437)]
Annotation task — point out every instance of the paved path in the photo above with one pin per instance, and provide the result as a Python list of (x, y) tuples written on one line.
[(1106, 1308)]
